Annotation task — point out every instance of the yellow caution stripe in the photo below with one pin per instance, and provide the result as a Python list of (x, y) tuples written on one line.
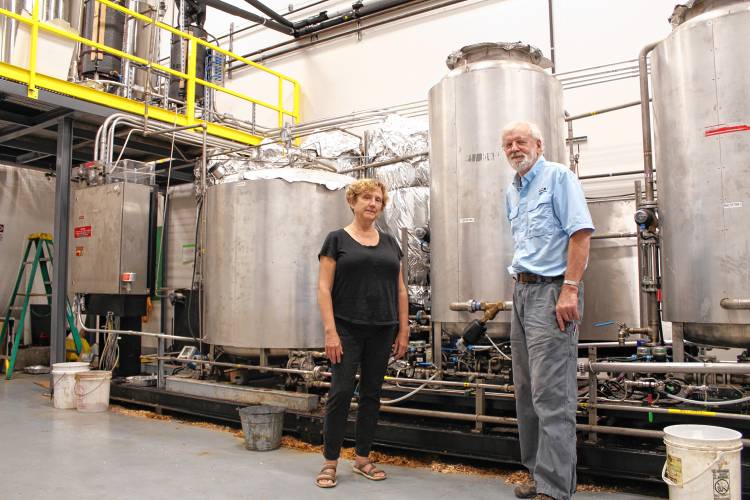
[(699, 413)]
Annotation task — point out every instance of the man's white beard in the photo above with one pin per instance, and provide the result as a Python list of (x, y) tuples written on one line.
[(525, 164)]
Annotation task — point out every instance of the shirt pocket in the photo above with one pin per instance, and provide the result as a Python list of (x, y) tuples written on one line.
[(542, 218), (515, 224)]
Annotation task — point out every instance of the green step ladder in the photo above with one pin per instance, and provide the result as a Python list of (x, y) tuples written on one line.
[(42, 255)]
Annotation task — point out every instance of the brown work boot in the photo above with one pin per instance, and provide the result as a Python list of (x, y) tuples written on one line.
[(525, 490), (542, 496)]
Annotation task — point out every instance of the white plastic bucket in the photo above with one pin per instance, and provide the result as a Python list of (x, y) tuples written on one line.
[(64, 382), (703, 462), (92, 390)]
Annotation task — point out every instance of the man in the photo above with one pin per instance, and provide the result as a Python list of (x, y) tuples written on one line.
[(551, 228)]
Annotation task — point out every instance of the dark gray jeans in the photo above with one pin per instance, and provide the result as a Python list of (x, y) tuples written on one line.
[(367, 348), (544, 376)]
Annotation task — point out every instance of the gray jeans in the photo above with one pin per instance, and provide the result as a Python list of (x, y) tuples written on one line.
[(544, 376)]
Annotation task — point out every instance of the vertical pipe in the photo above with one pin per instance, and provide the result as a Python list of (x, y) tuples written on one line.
[(160, 362), (437, 345), (593, 389), (678, 343), (648, 165), (641, 294), (405, 255), (231, 49), (129, 47), (32, 90), (60, 259), (551, 36)]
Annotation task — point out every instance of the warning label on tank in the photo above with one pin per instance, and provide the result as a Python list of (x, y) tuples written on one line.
[(733, 204), (721, 485), (674, 469), (82, 232)]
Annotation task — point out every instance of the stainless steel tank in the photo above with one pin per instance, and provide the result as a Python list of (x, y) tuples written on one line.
[(611, 291), (262, 238), (489, 85), (701, 77)]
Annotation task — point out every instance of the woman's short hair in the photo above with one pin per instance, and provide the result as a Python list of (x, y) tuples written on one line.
[(360, 186)]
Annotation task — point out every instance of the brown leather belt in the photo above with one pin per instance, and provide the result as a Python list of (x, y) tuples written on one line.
[(536, 278)]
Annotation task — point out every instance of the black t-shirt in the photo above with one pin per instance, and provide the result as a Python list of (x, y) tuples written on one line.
[(365, 285)]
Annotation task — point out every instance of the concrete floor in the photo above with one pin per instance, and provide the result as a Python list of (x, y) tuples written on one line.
[(63, 454)]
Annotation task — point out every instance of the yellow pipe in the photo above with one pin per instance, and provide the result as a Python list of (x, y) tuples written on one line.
[(32, 90), (281, 102), (236, 94), (190, 95)]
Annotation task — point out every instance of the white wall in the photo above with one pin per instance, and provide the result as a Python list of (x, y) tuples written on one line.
[(27, 201), (399, 62)]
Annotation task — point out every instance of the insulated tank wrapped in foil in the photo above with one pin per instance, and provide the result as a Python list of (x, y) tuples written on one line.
[(489, 85)]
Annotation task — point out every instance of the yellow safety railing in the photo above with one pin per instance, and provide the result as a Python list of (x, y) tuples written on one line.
[(33, 79)]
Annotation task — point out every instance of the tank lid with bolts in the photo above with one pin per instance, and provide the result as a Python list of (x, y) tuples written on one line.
[(686, 11), (497, 51)]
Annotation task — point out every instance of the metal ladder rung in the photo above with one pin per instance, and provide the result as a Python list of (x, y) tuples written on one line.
[(27, 262), (15, 308), (34, 295)]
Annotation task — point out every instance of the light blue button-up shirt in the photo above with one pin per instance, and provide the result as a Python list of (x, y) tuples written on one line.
[(545, 207)]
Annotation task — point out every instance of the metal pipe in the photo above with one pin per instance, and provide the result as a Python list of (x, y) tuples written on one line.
[(337, 35), (639, 367), (611, 174), (648, 164), (673, 411), (467, 417), (160, 335), (613, 235), (270, 13), (602, 111), (358, 11), (232, 33), (551, 36), (236, 11), (385, 162), (728, 303)]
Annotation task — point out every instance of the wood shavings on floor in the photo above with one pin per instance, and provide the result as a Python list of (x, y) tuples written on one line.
[(511, 477)]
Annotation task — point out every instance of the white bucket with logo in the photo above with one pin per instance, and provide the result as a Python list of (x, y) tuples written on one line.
[(64, 382), (703, 462)]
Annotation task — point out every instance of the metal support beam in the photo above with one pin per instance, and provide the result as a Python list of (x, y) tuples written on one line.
[(49, 119), (60, 258)]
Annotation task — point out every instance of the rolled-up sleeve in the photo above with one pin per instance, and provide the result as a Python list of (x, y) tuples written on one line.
[(570, 204)]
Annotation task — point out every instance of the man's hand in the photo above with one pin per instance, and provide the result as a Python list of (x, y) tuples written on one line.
[(400, 345), (334, 351), (567, 306)]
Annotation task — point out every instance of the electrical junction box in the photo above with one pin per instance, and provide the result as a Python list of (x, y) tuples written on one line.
[(109, 239)]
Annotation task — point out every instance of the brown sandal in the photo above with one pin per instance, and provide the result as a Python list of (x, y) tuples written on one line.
[(326, 476), (369, 473)]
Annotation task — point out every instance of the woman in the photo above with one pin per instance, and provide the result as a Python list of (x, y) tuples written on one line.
[(364, 307)]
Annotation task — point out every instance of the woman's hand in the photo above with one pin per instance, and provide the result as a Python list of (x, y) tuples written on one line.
[(334, 351), (400, 345)]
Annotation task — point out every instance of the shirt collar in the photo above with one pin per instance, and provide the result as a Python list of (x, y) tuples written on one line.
[(524, 181)]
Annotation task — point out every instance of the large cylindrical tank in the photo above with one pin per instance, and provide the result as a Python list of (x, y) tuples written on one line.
[(489, 85), (701, 77), (178, 60), (107, 26), (611, 292), (262, 239)]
